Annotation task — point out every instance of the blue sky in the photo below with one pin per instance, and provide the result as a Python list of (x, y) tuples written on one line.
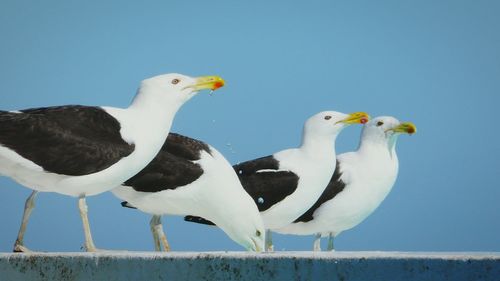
[(435, 63)]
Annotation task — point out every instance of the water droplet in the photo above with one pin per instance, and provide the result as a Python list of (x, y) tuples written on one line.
[(211, 92), (230, 146), (240, 172), (260, 200)]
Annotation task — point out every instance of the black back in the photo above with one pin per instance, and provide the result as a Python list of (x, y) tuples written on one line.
[(172, 167), (335, 186), (69, 140), (266, 188), (269, 187), (185, 147)]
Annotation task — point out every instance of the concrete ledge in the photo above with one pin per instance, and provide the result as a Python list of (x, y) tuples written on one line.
[(364, 266)]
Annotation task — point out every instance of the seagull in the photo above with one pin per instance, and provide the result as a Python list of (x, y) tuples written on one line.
[(189, 176), (361, 181), (81, 151), (286, 184)]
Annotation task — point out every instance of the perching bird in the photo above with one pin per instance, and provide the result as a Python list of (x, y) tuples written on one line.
[(190, 177), (360, 183), (287, 183), (85, 150)]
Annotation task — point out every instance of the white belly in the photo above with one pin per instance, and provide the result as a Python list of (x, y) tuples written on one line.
[(346, 210), (215, 193), (33, 176)]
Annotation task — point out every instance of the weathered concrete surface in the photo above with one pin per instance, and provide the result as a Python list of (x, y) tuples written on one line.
[(248, 266)]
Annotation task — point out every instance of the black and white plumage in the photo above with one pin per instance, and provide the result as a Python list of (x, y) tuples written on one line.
[(70, 148), (361, 182), (259, 174), (189, 176), (85, 150), (285, 184)]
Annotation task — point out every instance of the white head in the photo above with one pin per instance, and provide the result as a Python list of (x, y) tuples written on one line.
[(244, 225), (173, 89), (385, 130), (328, 124)]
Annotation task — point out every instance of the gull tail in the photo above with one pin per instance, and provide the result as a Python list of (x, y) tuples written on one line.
[(127, 205), (199, 220)]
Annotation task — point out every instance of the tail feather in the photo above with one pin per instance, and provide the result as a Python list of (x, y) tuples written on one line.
[(127, 205), (199, 220)]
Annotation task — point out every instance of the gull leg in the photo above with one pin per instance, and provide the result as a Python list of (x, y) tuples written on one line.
[(162, 236), (28, 208), (269, 241), (156, 239), (330, 242), (160, 239), (317, 243), (89, 243)]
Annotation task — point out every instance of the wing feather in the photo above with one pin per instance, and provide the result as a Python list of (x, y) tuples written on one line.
[(265, 182), (69, 140)]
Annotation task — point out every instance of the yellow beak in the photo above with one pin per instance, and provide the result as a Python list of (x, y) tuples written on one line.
[(207, 83), (355, 118), (406, 127)]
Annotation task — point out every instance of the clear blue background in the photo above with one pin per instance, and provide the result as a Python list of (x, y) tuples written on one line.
[(436, 63)]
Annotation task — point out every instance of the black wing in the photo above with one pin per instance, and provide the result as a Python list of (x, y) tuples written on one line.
[(335, 186), (69, 140), (172, 167), (266, 187), (185, 147)]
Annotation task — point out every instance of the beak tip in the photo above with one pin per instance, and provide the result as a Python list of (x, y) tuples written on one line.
[(365, 117), (412, 129), (356, 118), (407, 128), (218, 84), (208, 83)]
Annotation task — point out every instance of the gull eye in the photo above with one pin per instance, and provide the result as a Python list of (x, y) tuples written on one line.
[(258, 233), (380, 123), (175, 81), (328, 117)]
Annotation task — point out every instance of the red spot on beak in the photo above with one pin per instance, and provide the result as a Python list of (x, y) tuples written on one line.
[(217, 85), (363, 120)]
